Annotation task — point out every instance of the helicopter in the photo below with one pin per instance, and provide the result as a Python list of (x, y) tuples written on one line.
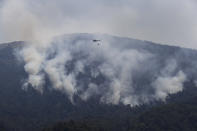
[(95, 40)]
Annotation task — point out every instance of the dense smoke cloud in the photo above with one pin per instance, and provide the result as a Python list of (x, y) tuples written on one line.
[(166, 83), (79, 67)]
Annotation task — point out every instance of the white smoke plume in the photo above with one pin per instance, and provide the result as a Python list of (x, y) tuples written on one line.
[(166, 83), (76, 65), (169, 85)]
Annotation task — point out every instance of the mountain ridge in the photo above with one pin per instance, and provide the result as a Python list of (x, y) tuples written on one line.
[(31, 110)]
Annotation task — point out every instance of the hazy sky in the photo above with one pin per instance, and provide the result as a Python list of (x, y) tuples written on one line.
[(171, 22)]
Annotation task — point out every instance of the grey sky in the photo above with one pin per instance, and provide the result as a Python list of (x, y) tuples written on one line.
[(171, 22)]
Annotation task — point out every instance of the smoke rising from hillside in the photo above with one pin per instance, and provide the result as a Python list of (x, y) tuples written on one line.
[(166, 83), (76, 65)]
